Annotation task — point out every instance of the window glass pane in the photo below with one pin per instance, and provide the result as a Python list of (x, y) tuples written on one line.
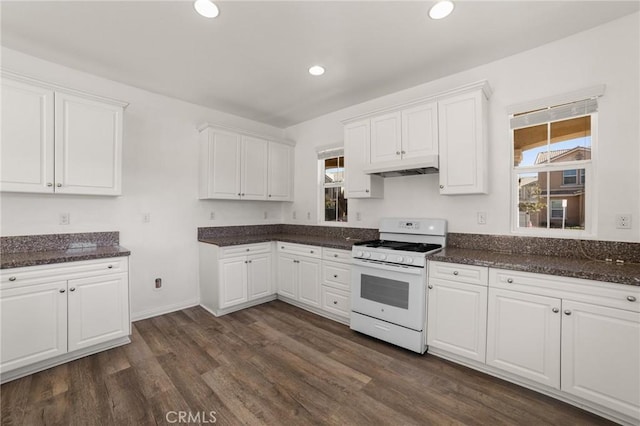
[(528, 142), (569, 177), (335, 205), (532, 200), (334, 170), (570, 140)]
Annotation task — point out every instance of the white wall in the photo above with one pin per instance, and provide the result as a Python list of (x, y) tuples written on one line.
[(160, 176), (607, 54)]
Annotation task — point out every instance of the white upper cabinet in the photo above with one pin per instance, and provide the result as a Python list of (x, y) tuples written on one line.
[(254, 168), (386, 144), (280, 171), (55, 140), (237, 166), (357, 138), (420, 131), (463, 143)]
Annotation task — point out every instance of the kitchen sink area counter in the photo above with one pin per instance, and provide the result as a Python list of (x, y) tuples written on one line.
[(571, 258), (34, 250)]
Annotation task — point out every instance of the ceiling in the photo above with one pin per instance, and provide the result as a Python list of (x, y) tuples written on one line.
[(252, 60)]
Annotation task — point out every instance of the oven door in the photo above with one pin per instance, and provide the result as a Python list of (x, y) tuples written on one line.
[(392, 293)]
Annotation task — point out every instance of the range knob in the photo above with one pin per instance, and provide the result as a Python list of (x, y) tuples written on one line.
[(367, 255), (409, 260), (400, 259), (383, 257), (359, 254)]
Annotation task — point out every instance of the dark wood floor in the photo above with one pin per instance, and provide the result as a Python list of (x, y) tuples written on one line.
[(272, 364)]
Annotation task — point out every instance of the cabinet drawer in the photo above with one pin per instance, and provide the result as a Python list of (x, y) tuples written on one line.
[(336, 255), (613, 295), (300, 249), (32, 274), (245, 249), (336, 301), (336, 275), (460, 273)]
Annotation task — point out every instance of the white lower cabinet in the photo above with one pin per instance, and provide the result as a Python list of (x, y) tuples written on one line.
[(50, 313), (457, 310), (336, 283), (523, 335), (601, 355), (235, 277), (299, 272)]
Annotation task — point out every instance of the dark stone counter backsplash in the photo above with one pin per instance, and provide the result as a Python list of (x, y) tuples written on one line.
[(558, 247), (55, 242)]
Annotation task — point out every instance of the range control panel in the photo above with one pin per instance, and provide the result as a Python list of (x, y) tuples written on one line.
[(409, 225)]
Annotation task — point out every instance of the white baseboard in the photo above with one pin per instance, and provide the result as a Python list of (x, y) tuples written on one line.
[(137, 316)]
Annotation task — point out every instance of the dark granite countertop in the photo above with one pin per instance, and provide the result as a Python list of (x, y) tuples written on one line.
[(314, 240), (551, 265), (34, 258)]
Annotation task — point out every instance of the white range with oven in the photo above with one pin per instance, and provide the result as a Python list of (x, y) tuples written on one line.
[(389, 281)]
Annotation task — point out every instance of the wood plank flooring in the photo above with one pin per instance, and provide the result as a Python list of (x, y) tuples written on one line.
[(273, 364)]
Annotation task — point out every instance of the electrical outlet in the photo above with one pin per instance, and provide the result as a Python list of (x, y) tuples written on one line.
[(482, 218), (265, 215), (623, 221), (358, 216), (293, 215), (308, 215), (65, 218), (146, 217), (157, 284), (212, 215)]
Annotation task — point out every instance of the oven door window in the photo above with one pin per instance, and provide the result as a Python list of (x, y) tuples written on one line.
[(384, 290)]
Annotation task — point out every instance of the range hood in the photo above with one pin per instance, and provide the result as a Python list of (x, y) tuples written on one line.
[(406, 167)]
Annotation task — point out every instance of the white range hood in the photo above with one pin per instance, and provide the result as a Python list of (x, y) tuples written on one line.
[(406, 167)]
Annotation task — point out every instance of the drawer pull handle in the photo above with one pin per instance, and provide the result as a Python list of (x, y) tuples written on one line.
[(441, 186), (510, 280), (59, 185), (248, 249), (567, 312), (72, 289), (49, 184), (555, 310), (335, 275), (62, 290), (335, 302), (430, 286), (110, 267), (311, 251), (455, 272), (631, 298), (335, 255), (12, 278)]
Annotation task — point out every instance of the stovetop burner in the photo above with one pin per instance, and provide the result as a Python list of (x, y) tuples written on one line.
[(400, 245)]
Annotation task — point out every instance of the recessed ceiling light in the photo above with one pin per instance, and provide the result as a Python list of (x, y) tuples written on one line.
[(206, 8), (316, 70), (440, 10)]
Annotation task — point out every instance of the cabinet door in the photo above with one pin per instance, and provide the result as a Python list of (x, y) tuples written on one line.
[(462, 142), (457, 318), (420, 131), (98, 310), (280, 172), (600, 355), (523, 335), (26, 144), (254, 168), (309, 281), (287, 276), (385, 138), (259, 276), (220, 175), (88, 148), (233, 281), (34, 324), (357, 140)]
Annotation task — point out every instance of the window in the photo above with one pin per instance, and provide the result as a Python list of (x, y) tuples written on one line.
[(334, 204), (552, 149)]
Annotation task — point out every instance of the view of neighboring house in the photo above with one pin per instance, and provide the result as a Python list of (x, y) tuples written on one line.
[(557, 197)]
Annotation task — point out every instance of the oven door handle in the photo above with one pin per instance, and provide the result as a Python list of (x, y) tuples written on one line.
[(363, 265)]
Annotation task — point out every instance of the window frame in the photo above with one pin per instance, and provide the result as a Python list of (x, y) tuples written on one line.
[(589, 230), (321, 191)]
